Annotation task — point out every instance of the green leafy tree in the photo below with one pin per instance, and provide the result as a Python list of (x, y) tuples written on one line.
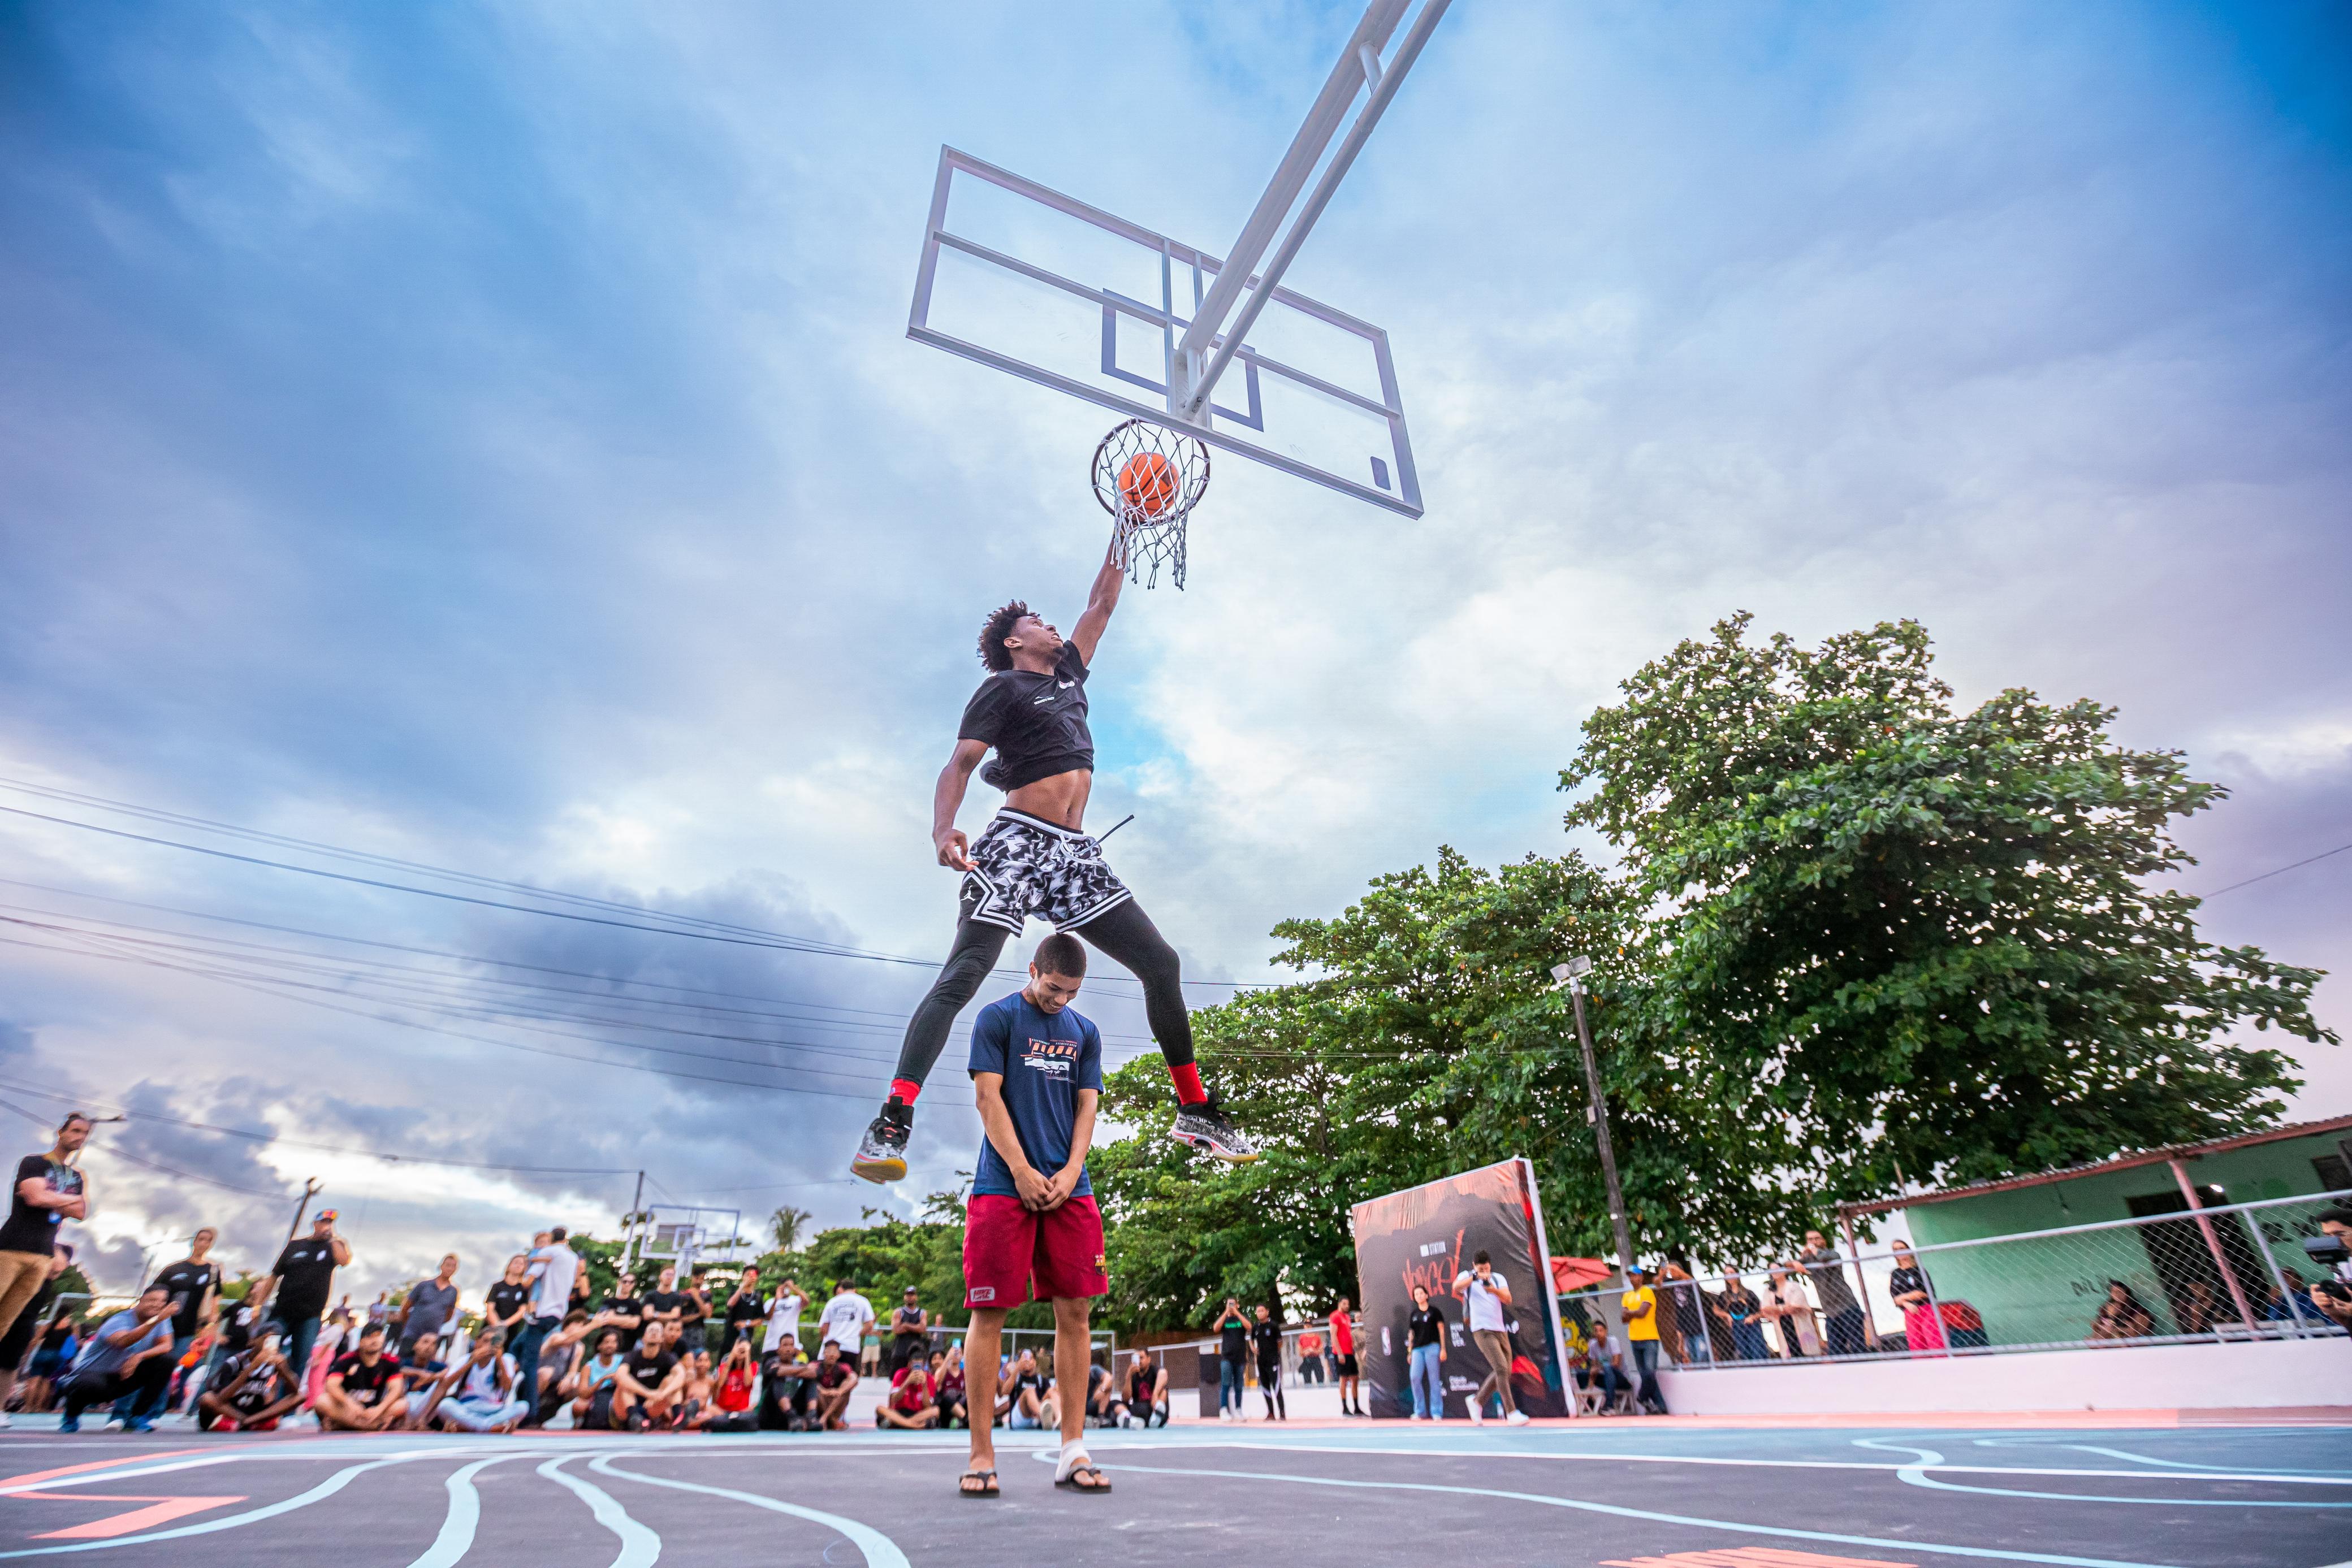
[(602, 1260), (890, 1252), (1892, 941)]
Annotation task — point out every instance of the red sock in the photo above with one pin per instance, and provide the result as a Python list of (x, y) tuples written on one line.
[(905, 1089), (1188, 1083)]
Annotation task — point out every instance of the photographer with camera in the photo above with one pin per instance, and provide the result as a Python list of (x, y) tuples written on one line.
[(2332, 1250)]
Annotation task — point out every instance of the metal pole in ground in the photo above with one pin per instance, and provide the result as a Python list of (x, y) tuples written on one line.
[(1861, 1284), (310, 1190), (1572, 973), (2213, 1245)]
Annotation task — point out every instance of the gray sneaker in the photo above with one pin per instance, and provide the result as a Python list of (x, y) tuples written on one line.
[(1205, 1126), (882, 1153)]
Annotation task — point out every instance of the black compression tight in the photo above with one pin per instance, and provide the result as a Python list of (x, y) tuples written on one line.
[(1123, 933)]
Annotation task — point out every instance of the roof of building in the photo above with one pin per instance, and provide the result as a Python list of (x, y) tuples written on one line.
[(2120, 1163)]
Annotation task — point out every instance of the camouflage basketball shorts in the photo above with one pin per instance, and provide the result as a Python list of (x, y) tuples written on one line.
[(1024, 865)]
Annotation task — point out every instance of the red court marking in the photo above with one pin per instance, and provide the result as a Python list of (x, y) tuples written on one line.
[(160, 1510), (1752, 1557), (95, 1464)]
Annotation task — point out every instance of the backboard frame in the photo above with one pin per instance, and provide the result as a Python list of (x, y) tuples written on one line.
[(1199, 269)]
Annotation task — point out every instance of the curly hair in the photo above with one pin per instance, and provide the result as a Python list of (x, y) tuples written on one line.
[(992, 651)]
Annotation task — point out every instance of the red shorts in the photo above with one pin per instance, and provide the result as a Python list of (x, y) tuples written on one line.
[(1012, 1254)]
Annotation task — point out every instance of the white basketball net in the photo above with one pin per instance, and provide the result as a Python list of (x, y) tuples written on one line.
[(1149, 478)]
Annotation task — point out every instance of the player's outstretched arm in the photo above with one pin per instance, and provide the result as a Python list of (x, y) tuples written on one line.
[(947, 800), (1100, 602)]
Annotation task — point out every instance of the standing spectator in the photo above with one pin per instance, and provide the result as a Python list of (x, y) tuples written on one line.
[(845, 1320), (364, 1389), (666, 1303), (508, 1303), (1841, 1318), (1744, 1314), (429, 1305), (784, 1318), (131, 1352), (1487, 1298), (1788, 1306), (1908, 1286), (2121, 1315), (622, 1312), (910, 1332), (486, 1392), (1685, 1312), (299, 1284), (1343, 1352), (1639, 1307), (2331, 1296), (18, 1339), (1231, 1330), (1310, 1357), (48, 1191), (1425, 1340), (693, 1325), (1265, 1338), (744, 1308), (552, 1269)]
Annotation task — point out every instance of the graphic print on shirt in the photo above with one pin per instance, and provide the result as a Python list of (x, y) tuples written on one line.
[(1054, 1057)]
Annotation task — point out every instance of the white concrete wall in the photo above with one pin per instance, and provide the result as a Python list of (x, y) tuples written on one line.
[(2260, 1374)]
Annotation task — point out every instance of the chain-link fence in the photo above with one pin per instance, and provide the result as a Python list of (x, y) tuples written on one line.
[(2230, 1272)]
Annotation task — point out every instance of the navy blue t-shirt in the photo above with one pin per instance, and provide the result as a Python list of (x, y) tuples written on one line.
[(1046, 1059)]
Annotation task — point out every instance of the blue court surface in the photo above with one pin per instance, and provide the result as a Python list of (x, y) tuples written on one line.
[(1654, 1495)]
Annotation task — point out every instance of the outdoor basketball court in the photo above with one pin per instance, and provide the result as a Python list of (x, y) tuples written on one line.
[(1560, 1495)]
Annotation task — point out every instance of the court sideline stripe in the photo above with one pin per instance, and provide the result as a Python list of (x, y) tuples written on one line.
[(1995, 1554), (640, 1547), (1917, 1476), (879, 1550)]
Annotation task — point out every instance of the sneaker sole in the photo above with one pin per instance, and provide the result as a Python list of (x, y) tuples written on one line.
[(879, 1171), (1200, 1142)]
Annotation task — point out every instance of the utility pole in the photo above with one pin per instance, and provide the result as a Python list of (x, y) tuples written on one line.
[(310, 1190), (629, 1243), (1572, 974)]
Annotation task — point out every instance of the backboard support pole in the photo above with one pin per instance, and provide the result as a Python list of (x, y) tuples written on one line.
[(1197, 368)]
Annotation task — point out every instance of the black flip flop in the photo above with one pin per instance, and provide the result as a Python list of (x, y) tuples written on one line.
[(1070, 1481), (988, 1490)]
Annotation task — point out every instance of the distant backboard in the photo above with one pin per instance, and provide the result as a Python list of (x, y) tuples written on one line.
[(1030, 281)]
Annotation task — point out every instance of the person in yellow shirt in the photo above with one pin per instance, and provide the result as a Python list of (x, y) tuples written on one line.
[(1639, 1307)]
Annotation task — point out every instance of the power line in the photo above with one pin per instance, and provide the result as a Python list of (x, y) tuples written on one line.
[(2280, 871), (152, 1164)]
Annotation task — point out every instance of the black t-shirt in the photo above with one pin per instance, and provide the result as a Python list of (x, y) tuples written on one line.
[(306, 1275), (907, 1324), (188, 1281), (1688, 1321), (777, 1392), (626, 1307), (30, 1229), (1141, 1382), (1268, 1337), (1234, 1336), (696, 1304), (748, 1308), (666, 1301), (649, 1370), (363, 1383), (1037, 723), (1425, 1328), (505, 1297), (263, 1389), (235, 1326)]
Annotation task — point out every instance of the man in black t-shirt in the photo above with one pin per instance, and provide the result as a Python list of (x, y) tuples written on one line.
[(48, 1191), (193, 1283), (300, 1283), (252, 1392), (647, 1388), (746, 1309), (1266, 1337), (1037, 858), (787, 1385), (622, 1310), (364, 1390)]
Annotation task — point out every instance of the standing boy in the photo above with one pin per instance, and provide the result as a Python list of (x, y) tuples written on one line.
[(1032, 1227)]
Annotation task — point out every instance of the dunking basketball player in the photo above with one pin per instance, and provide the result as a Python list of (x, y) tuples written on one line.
[(1035, 859)]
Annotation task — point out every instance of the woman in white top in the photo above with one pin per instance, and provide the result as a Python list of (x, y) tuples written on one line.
[(1789, 1307)]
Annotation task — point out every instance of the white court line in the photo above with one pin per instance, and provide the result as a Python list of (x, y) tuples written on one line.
[(640, 1547), (104, 1477), (1916, 1475), (456, 1536), (319, 1493), (1580, 1504), (880, 1551)]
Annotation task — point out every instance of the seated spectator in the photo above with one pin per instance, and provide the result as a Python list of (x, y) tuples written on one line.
[(556, 1354), (482, 1395), (1146, 1393), (697, 1405), (590, 1385), (947, 1387), (1599, 1367), (2296, 1303), (1026, 1400), (787, 1388), (910, 1406), (835, 1381), (2199, 1310), (1104, 1407), (428, 1378), (645, 1390), (58, 1343), (737, 1374), (253, 1390), (130, 1353), (622, 1310), (363, 1389), (2121, 1316)]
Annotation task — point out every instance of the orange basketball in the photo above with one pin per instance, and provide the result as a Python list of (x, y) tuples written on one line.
[(1147, 482)]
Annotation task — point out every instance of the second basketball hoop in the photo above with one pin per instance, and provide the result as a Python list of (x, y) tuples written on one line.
[(1149, 478)]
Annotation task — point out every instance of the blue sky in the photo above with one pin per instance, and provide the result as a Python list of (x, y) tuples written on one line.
[(486, 435)]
